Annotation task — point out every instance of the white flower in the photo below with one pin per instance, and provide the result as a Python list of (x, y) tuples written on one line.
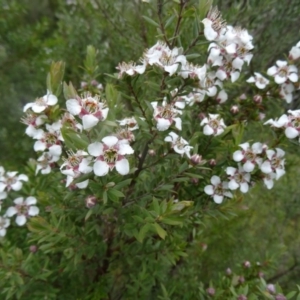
[(165, 115), (109, 154), (249, 156), (130, 123), (162, 56), (33, 121), (218, 189), (179, 145), (45, 162), (192, 71), (290, 122), (283, 72), (89, 109), (269, 180), (12, 181), (214, 125), (214, 25), (50, 140), (69, 121), (286, 91), (131, 68), (4, 223), (75, 165), (260, 81), (42, 103), (295, 52), (238, 178), (274, 163), (23, 209)]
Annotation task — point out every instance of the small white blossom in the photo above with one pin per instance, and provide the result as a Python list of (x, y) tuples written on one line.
[(165, 115), (179, 145), (260, 81), (89, 108), (214, 125), (33, 121), (214, 25), (23, 209), (75, 165), (274, 163), (42, 103), (130, 123), (110, 154), (4, 223), (283, 72), (218, 189), (249, 156), (295, 52), (238, 178), (45, 163), (12, 181)]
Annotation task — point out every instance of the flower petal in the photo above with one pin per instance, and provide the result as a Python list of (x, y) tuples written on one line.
[(21, 220), (100, 168), (33, 211), (73, 107), (110, 140), (95, 149), (89, 121), (122, 166)]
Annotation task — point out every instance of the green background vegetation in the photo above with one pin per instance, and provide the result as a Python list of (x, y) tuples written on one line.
[(262, 228)]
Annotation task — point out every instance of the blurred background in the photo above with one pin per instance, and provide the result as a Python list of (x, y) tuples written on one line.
[(33, 33)]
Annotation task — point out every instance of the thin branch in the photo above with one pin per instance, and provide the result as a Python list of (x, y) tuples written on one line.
[(182, 5), (160, 4)]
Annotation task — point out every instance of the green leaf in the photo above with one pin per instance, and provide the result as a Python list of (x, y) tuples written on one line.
[(112, 95), (160, 231), (193, 55), (104, 195), (156, 206), (291, 295), (89, 213), (74, 140), (69, 91), (172, 221), (55, 76), (150, 21), (142, 233)]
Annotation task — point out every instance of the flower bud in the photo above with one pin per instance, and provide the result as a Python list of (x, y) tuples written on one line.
[(194, 180), (90, 201), (261, 274), (247, 264), (234, 109), (228, 272), (196, 159), (151, 152), (241, 279), (94, 82), (211, 291), (83, 84), (201, 116), (243, 97), (257, 99), (280, 297), (33, 248), (212, 162), (271, 288), (242, 297), (261, 116)]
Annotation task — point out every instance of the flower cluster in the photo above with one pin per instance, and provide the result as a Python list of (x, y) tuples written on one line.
[(267, 164), (11, 181), (290, 123)]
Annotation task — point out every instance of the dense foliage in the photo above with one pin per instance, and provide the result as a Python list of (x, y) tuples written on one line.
[(148, 223)]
